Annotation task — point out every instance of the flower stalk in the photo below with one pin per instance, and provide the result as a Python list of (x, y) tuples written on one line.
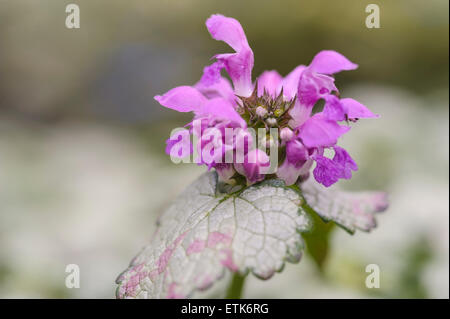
[(236, 286)]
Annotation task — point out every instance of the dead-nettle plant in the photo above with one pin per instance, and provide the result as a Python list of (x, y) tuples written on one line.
[(247, 214)]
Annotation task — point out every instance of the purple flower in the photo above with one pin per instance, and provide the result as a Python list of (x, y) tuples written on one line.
[(270, 102), (328, 172), (297, 162), (255, 166)]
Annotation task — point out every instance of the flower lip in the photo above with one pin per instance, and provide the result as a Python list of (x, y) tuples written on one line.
[(329, 171)]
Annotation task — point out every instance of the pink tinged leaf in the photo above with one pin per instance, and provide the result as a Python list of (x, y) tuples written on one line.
[(379, 201), (350, 210), (268, 212), (173, 294), (290, 82), (182, 99), (214, 239), (228, 262), (137, 274), (356, 110), (330, 62), (196, 246), (163, 260), (270, 82), (318, 131), (239, 65), (204, 282)]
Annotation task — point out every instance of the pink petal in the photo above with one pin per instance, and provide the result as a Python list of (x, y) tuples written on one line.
[(179, 144), (221, 88), (296, 153), (290, 172), (239, 65), (299, 114), (228, 30), (313, 86), (211, 73), (243, 142), (330, 62), (222, 109), (297, 162), (333, 109), (328, 172), (356, 110), (319, 131), (344, 159), (182, 99), (290, 82), (269, 81), (256, 164)]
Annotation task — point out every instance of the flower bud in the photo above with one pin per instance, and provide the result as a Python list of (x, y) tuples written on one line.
[(261, 111), (271, 121), (286, 134)]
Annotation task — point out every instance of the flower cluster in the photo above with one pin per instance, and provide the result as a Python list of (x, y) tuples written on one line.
[(272, 102)]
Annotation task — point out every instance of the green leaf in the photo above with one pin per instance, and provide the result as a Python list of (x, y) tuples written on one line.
[(318, 240)]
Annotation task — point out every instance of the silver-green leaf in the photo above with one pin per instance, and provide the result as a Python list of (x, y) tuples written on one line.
[(208, 233), (350, 210)]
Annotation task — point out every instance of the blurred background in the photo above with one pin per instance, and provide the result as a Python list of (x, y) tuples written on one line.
[(83, 172)]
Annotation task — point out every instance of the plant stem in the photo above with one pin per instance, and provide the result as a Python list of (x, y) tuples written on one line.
[(236, 286)]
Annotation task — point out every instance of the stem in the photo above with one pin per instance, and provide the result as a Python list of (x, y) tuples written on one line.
[(236, 286)]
